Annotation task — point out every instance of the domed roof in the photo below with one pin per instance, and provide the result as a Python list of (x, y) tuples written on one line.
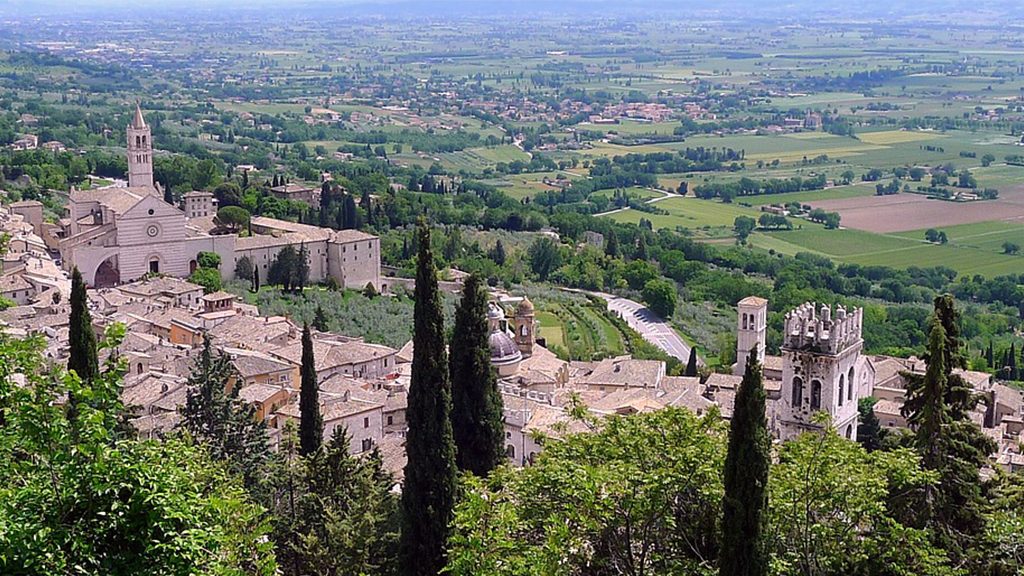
[(494, 312), (525, 307), (503, 349)]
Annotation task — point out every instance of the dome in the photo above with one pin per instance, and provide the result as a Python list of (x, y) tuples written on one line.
[(494, 312), (525, 307), (503, 349)]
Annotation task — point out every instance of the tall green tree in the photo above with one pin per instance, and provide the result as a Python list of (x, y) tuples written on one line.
[(311, 424), (691, 363), (429, 492), (220, 420), (745, 504), (938, 406), (347, 512), (477, 423), (81, 336), (83, 360)]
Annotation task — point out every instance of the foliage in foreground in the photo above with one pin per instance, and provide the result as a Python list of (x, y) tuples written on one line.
[(77, 496), (642, 496)]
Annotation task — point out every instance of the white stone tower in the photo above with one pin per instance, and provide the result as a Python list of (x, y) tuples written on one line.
[(750, 331), (820, 360), (140, 153)]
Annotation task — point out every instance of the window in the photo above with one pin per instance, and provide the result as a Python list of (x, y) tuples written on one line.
[(850, 381), (391, 420), (798, 392), (510, 451), (815, 395), (138, 368), (744, 321), (154, 266), (841, 382), (367, 444), (366, 422)]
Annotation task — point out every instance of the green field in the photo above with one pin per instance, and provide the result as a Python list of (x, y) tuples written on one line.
[(835, 193), (972, 248), (688, 213)]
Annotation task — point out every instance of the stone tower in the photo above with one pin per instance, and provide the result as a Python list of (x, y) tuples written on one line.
[(752, 326), (820, 360), (140, 153), (525, 324)]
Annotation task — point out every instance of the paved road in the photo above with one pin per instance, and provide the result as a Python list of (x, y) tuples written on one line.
[(647, 323)]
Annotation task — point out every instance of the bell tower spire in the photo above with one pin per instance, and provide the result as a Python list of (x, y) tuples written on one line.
[(140, 153)]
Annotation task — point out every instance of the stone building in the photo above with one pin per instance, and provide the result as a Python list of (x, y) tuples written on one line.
[(821, 369), (118, 234)]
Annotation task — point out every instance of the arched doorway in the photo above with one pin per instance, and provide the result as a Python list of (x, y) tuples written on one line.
[(192, 265), (107, 274)]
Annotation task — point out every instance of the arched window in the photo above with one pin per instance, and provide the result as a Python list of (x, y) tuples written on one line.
[(850, 381), (138, 368), (815, 395), (524, 331), (842, 379), (138, 142), (798, 392), (849, 432), (744, 321), (143, 139), (510, 451)]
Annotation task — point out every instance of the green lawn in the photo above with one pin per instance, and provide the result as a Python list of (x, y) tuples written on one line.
[(551, 329), (688, 213), (972, 248)]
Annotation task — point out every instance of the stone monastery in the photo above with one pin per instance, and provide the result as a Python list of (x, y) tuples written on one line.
[(118, 234)]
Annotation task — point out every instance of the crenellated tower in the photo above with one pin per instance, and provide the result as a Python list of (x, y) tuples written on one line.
[(820, 360)]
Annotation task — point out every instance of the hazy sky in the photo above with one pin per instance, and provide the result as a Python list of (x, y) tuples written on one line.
[(865, 8)]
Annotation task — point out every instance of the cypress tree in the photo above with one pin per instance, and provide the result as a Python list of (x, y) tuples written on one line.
[(611, 247), (990, 356), (691, 363), (81, 337), (641, 248), (745, 504), (428, 495), (320, 319), (311, 425), (477, 425), (256, 278)]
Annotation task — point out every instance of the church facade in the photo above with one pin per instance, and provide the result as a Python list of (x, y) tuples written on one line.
[(118, 234)]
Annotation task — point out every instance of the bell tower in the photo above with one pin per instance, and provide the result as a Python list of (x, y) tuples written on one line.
[(525, 325), (140, 153), (752, 320)]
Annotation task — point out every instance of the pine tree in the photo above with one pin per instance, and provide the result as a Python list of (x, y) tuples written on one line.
[(429, 492), (222, 421), (691, 363), (745, 504), (938, 407), (477, 424), (81, 337), (311, 424)]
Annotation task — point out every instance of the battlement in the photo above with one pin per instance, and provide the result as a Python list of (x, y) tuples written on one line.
[(818, 330)]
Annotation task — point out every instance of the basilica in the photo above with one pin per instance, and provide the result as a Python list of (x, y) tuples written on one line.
[(118, 234)]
